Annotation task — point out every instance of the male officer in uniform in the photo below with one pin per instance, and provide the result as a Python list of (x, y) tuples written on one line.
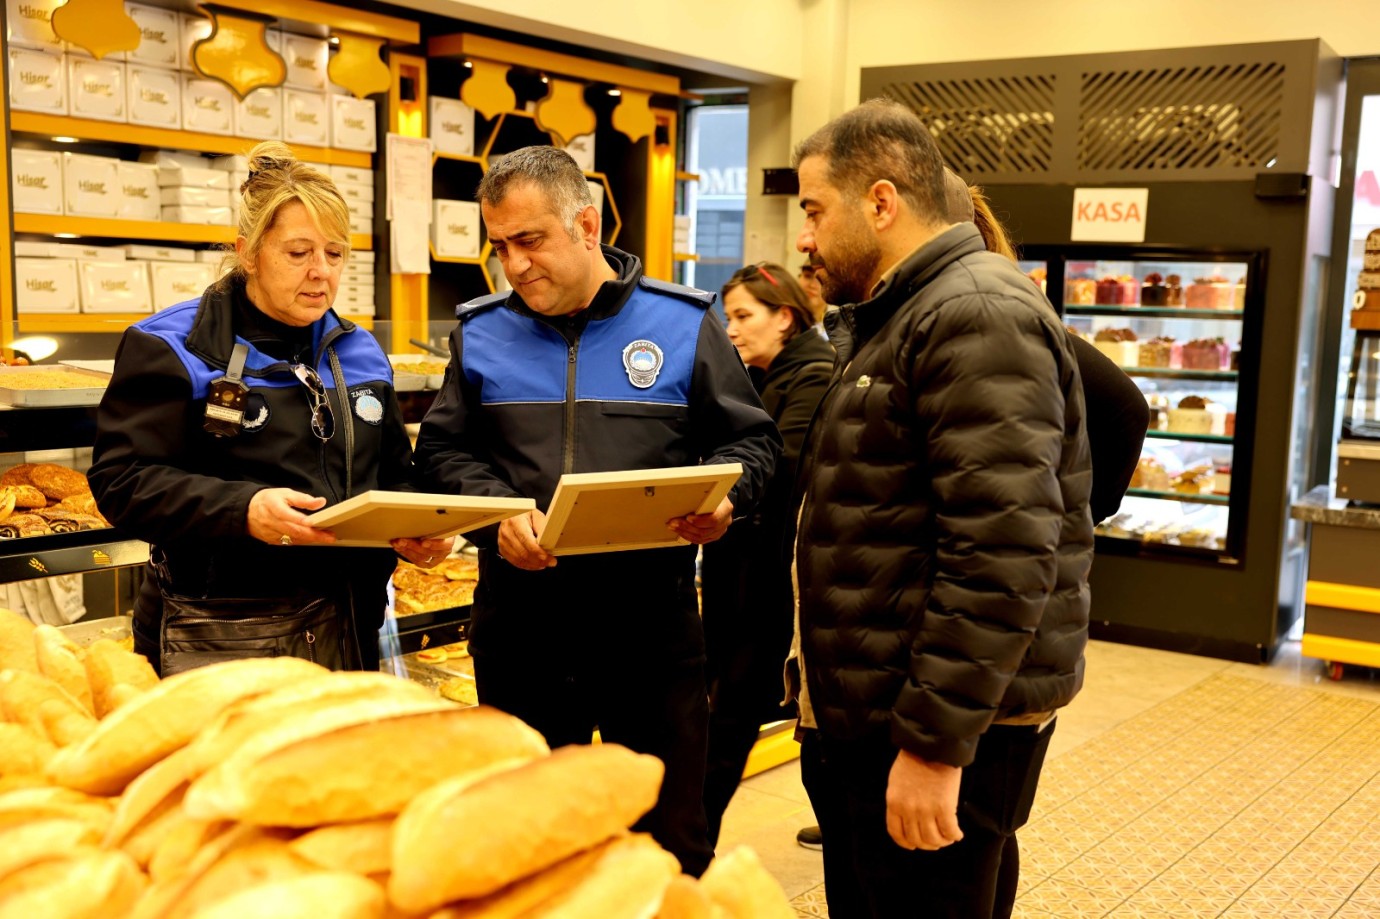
[(589, 366)]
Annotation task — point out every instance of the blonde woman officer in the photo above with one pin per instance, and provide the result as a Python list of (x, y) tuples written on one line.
[(232, 417)]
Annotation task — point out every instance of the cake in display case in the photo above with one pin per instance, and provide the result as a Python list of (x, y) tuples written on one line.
[(1175, 325)]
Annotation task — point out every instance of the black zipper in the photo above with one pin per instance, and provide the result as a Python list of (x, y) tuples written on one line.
[(568, 447)]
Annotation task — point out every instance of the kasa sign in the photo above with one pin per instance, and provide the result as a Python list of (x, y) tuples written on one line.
[(1112, 215)]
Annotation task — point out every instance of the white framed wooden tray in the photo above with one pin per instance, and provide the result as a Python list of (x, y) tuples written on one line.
[(621, 511), (375, 517)]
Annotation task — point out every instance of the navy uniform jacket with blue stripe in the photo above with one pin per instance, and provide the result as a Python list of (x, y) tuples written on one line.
[(158, 476), (509, 422)]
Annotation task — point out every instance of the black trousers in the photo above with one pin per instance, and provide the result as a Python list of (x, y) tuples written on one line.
[(867, 875)]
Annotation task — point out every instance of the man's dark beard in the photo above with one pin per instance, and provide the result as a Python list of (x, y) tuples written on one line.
[(847, 274)]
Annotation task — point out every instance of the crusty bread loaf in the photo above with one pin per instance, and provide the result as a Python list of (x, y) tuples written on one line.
[(64, 663), (112, 672), (24, 844), (519, 898), (39, 702), (296, 774), (739, 884), (95, 885), (685, 899), (180, 843), (532, 817), (23, 750), (254, 857), (17, 642), (26, 804), (156, 788), (365, 847), (324, 895), (627, 882), (165, 718), (249, 717)]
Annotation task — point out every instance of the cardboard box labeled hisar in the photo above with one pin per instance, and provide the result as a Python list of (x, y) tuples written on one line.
[(91, 185), (155, 97), (177, 282), (138, 192), (306, 59), (451, 126), (114, 287), (38, 81), (193, 27), (158, 36), (207, 106), (96, 89), (37, 181), (46, 285), (260, 115), (29, 24), (455, 228), (306, 119), (352, 123)]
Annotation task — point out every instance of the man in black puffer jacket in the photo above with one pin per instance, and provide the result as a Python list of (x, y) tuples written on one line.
[(945, 536)]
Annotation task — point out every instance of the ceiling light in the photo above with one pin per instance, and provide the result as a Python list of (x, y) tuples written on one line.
[(615, 92), (469, 65), (64, 139), (67, 236)]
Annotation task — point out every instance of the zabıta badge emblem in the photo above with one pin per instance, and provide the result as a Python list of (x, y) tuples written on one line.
[(642, 360)]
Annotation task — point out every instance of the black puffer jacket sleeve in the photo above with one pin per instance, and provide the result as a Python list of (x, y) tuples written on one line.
[(991, 414), (727, 418), (143, 474)]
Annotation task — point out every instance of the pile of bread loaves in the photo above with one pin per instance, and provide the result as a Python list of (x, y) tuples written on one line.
[(38, 499), (273, 788)]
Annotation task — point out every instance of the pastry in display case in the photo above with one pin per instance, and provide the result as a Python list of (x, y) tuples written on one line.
[(1182, 347)]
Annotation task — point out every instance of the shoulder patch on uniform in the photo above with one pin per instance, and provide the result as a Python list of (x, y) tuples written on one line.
[(479, 304), (704, 298)]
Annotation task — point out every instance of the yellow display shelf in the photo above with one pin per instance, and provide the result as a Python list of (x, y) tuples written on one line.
[(776, 744), (40, 323), (51, 225), (1341, 650), (120, 133), (157, 230), (1342, 596)]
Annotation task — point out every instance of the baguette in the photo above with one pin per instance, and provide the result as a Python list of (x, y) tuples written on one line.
[(165, 719), (94, 886), (627, 882), (26, 804), (39, 702), (624, 876), (357, 761), (738, 884), (684, 899), (25, 844), (519, 898), (23, 750), (63, 662), (363, 848), (234, 861), (324, 895), (17, 642), (157, 788), (181, 842), (248, 717), (532, 817), (113, 672)]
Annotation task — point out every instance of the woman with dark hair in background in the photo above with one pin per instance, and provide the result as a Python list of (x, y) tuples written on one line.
[(747, 599)]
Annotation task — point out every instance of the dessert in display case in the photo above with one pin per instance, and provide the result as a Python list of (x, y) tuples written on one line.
[(1176, 324), (1358, 454)]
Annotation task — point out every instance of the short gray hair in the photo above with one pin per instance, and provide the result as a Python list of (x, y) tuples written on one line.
[(549, 168)]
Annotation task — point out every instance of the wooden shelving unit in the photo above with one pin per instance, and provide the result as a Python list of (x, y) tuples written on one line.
[(85, 129), (155, 230)]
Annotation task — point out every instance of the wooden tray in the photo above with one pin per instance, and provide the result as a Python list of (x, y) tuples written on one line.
[(24, 397), (620, 511), (375, 517)]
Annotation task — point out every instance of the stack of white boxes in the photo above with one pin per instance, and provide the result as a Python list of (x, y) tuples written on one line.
[(357, 187), (190, 191), (355, 295), (175, 274), (681, 244), (70, 278), (37, 66)]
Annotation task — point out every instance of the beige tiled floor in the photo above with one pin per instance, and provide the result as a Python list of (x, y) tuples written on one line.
[(1177, 786)]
